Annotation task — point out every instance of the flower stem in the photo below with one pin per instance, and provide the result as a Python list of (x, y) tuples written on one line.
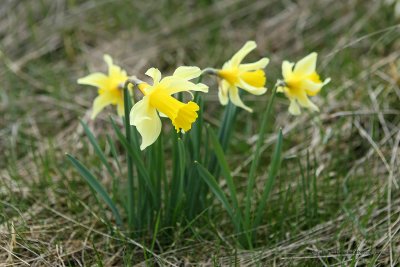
[(131, 196), (252, 175)]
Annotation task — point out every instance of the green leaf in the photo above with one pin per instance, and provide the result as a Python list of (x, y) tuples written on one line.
[(92, 181), (137, 158), (131, 189), (224, 167), (265, 122), (97, 148), (114, 151), (212, 183), (273, 171)]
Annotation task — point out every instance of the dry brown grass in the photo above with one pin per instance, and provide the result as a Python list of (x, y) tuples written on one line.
[(44, 48)]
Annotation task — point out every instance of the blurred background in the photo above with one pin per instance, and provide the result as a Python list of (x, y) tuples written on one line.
[(46, 45)]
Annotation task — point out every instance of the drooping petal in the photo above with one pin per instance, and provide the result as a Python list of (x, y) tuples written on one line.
[(99, 103), (147, 122), (312, 88), (96, 79), (139, 111), (246, 49), (223, 92), (120, 107), (287, 69), (304, 101), (235, 98), (255, 78), (307, 65), (155, 74), (294, 108), (173, 85), (326, 81), (187, 72), (261, 64), (251, 89)]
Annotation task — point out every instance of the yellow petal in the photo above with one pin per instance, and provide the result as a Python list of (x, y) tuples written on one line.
[(261, 64), (115, 72), (155, 74), (287, 70), (223, 92), (147, 122), (240, 55), (235, 98), (99, 103), (173, 85), (294, 108), (304, 101), (187, 72), (306, 66), (96, 79), (120, 107), (251, 89)]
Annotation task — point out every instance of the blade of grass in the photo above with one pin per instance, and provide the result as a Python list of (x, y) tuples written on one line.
[(273, 171), (97, 148), (114, 152), (140, 166), (213, 185), (131, 189), (218, 150), (254, 165), (92, 181)]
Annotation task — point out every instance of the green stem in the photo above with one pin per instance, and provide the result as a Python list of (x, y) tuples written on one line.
[(131, 197), (252, 175)]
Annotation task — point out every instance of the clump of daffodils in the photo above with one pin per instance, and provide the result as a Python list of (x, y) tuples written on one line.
[(247, 76), (158, 101), (110, 87), (301, 80)]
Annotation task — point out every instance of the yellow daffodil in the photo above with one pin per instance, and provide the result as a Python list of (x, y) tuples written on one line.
[(158, 97), (300, 82), (110, 87), (249, 77)]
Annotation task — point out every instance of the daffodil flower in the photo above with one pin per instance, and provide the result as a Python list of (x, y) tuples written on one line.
[(249, 77), (110, 87), (158, 101), (299, 82)]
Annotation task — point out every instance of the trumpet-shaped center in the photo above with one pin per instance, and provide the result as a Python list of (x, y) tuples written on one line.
[(254, 78), (315, 77), (295, 82), (114, 93), (230, 75), (182, 115)]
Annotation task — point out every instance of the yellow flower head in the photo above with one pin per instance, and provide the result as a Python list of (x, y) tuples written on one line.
[(158, 101), (300, 82), (110, 87), (249, 77)]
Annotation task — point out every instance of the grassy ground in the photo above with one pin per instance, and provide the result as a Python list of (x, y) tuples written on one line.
[(337, 198)]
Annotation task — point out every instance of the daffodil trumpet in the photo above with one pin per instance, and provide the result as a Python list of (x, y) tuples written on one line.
[(158, 102)]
